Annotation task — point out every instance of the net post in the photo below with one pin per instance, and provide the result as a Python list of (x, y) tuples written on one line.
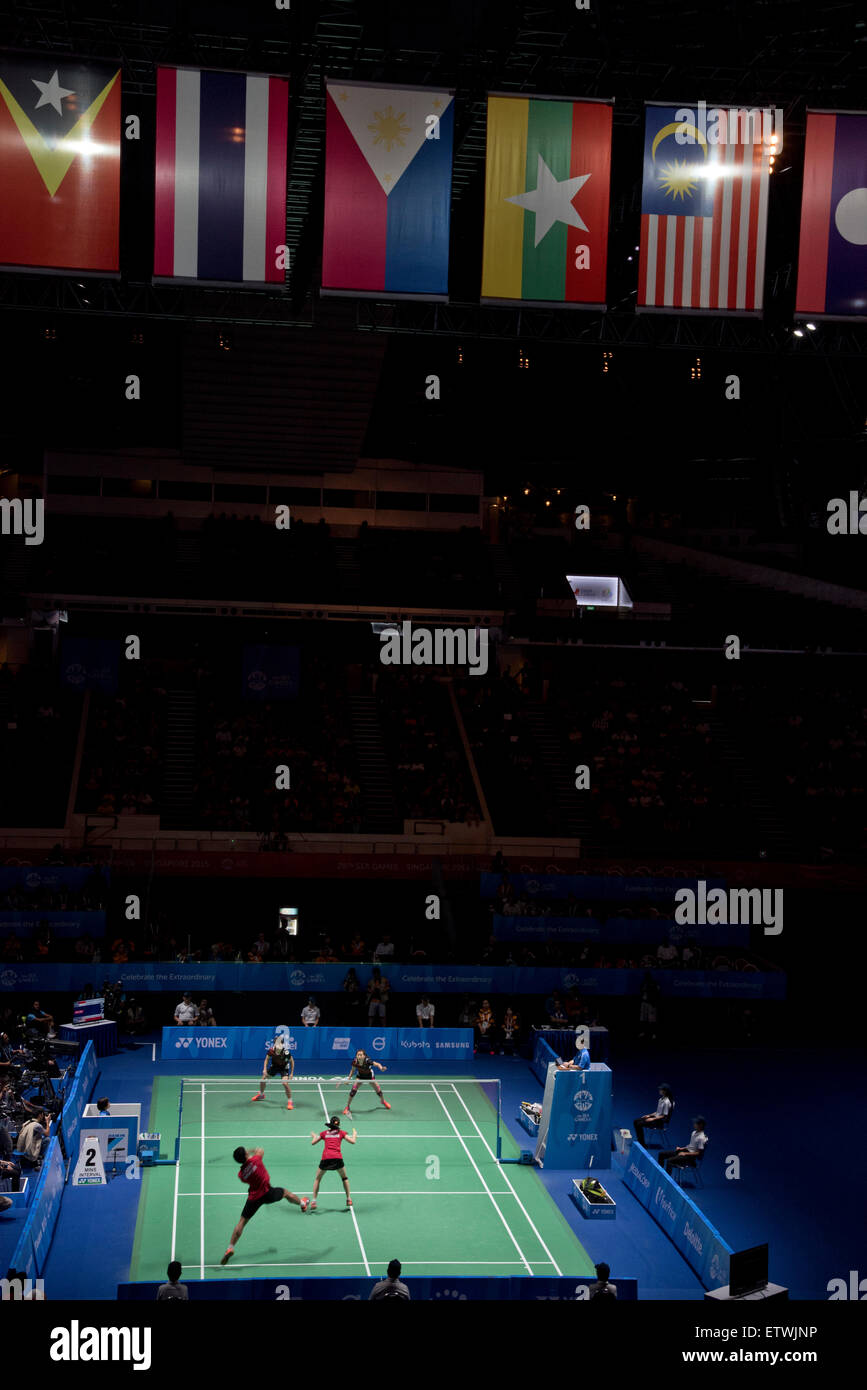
[(180, 1114)]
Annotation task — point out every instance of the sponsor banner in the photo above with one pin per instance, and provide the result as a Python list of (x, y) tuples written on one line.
[(52, 876), (335, 1045), (35, 1239), (413, 979), (435, 1044), (90, 663), (676, 1213), (629, 930), (455, 1288), (593, 886), (74, 924), (269, 673), (341, 1044)]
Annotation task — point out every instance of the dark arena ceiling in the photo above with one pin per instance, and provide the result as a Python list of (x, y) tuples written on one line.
[(283, 377)]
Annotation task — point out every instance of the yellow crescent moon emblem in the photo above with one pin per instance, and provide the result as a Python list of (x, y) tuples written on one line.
[(670, 130)]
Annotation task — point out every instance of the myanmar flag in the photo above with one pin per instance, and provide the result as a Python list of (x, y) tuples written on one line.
[(546, 201), (59, 163)]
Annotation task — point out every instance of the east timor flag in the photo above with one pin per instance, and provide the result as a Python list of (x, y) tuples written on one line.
[(546, 200), (59, 163)]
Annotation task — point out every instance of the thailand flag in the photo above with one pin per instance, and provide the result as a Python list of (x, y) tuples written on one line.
[(220, 207), (832, 264), (388, 167)]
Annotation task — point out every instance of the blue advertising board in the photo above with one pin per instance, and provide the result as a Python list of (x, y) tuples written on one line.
[(674, 1212), (446, 979), (90, 663), (336, 1046), (602, 888), (51, 876), (60, 924), (269, 672), (35, 1240), (616, 930)]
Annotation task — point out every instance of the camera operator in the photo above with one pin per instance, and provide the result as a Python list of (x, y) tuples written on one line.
[(33, 1137)]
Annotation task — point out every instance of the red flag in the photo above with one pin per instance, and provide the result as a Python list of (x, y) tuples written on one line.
[(59, 164)]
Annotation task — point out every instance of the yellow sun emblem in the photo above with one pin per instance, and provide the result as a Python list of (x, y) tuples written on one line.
[(676, 179), (387, 128)]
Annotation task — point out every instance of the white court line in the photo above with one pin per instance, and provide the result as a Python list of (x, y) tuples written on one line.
[(175, 1208), (343, 1264), (386, 1192), (219, 1138), (507, 1179), (352, 1209), (202, 1208), (484, 1184)]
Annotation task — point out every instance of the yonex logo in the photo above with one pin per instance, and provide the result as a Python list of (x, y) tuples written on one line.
[(183, 1042)]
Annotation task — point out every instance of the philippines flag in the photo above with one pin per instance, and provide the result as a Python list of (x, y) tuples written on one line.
[(704, 212), (220, 209), (832, 263), (388, 166)]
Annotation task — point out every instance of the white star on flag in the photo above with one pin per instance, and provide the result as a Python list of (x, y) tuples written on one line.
[(52, 93), (551, 201)]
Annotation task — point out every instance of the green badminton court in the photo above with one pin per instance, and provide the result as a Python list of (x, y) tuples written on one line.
[(426, 1186)]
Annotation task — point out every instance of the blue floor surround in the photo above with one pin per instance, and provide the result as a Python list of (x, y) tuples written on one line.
[(785, 1118)]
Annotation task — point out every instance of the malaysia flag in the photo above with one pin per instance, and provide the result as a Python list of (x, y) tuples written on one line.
[(832, 263), (220, 205), (704, 213)]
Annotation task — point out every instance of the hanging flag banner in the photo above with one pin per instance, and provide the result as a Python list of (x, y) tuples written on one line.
[(220, 200), (59, 164), (832, 262), (704, 208), (388, 171), (547, 181)]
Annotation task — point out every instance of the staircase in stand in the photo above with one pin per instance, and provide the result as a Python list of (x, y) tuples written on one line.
[(381, 812)]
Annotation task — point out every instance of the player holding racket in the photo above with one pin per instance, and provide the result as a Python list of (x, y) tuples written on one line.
[(260, 1192), (362, 1068), (278, 1061), (332, 1159)]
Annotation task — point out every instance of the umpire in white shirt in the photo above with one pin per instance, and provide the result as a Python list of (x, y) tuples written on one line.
[(186, 1012)]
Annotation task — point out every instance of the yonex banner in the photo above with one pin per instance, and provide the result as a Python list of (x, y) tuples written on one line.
[(674, 1212), (442, 979), (336, 1046)]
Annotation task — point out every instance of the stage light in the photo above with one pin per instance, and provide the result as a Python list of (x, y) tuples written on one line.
[(811, 327), (799, 333)]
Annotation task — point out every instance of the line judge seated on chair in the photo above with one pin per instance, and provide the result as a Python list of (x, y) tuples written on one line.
[(660, 1117), (688, 1155)]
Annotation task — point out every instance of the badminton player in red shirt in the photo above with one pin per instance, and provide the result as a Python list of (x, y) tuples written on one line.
[(332, 1158), (261, 1194)]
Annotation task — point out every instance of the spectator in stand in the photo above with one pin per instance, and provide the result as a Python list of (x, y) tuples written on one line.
[(424, 1012), (352, 991), (206, 1017), (385, 949), (509, 1032), (357, 947), (186, 1013), (468, 1014), (310, 1014), (39, 1020), (666, 954), (377, 996), (554, 1009), (173, 1289), (135, 1018), (558, 1018), (485, 1028)]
